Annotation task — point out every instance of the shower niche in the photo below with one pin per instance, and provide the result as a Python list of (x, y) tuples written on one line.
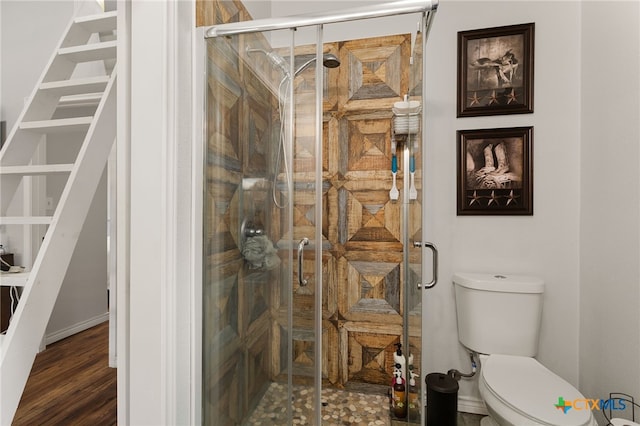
[(297, 331)]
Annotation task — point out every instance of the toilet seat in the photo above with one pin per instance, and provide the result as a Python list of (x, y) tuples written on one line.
[(526, 386)]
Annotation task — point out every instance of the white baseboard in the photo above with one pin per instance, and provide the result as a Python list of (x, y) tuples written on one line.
[(471, 405), (75, 328)]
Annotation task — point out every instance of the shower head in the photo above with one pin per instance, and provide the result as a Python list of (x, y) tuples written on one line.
[(329, 60)]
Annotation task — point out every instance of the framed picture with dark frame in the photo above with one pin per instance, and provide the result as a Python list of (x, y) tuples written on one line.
[(495, 171), (495, 70), (3, 132)]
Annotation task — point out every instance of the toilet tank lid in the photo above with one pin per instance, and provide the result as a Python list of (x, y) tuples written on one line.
[(497, 282)]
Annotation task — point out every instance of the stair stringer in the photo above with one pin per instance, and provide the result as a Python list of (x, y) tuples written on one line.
[(20, 345)]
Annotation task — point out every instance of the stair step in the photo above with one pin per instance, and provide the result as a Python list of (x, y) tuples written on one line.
[(59, 125), (83, 92), (84, 27), (77, 86), (108, 37), (89, 52), (98, 23), (80, 101), (25, 220), (36, 170), (18, 279)]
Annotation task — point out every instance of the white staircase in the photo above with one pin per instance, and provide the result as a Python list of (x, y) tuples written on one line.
[(82, 42)]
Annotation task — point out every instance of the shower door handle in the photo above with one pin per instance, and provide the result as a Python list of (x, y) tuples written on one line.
[(434, 250), (303, 242)]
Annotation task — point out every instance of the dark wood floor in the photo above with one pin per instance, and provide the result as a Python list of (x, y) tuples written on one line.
[(71, 383)]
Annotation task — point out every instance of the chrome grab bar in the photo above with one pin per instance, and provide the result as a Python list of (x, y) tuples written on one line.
[(434, 250), (303, 242), (434, 280)]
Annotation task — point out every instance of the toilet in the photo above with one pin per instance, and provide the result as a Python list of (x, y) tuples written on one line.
[(499, 318)]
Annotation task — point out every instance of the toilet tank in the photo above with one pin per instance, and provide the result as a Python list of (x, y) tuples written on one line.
[(498, 314)]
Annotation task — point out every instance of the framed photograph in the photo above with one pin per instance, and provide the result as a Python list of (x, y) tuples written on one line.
[(495, 171), (495, 71)]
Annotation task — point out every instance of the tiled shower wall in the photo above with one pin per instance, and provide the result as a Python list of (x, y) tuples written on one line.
[(361, 227), (362, 261)]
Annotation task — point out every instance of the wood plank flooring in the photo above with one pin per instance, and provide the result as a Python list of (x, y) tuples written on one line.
[(71, 383)]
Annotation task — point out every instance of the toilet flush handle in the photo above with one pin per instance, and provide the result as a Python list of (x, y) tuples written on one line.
[(434, 250)]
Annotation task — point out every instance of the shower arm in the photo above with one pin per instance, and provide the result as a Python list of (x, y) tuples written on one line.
[(304, 66)]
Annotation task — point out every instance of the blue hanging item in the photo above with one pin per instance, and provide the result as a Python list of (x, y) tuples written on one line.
[(394, 194)]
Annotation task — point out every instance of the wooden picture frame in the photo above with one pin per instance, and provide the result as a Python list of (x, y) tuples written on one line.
[(495, 70), (495, 171)]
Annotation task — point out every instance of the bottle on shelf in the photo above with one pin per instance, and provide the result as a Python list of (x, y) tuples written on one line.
[(399, 406), (414, 396), (398, 358)]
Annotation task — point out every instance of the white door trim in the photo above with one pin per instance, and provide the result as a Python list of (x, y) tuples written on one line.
[(199, 91), (161, 268), (122, 216)]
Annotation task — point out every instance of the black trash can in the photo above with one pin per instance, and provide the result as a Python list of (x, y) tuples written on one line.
[(442, 400)]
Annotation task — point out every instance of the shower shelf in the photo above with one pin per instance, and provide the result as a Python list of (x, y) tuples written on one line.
[(406, 117), (406, 124)]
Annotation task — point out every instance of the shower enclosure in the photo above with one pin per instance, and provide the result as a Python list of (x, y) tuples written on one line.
[(312, 268)]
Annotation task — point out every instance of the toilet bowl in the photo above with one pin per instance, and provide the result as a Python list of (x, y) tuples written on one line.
[(519, 391)]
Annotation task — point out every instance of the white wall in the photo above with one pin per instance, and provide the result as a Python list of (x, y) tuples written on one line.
[(334, 32), (258, 8), (82, 301), (545, 244), (30, 30), (610, 226)]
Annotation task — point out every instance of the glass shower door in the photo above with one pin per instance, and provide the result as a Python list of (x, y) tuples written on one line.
[(260, 283), (413, 247), (305, 226), (245, 349)]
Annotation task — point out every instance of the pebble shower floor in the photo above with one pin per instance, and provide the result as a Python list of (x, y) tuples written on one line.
[(339, 407)]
